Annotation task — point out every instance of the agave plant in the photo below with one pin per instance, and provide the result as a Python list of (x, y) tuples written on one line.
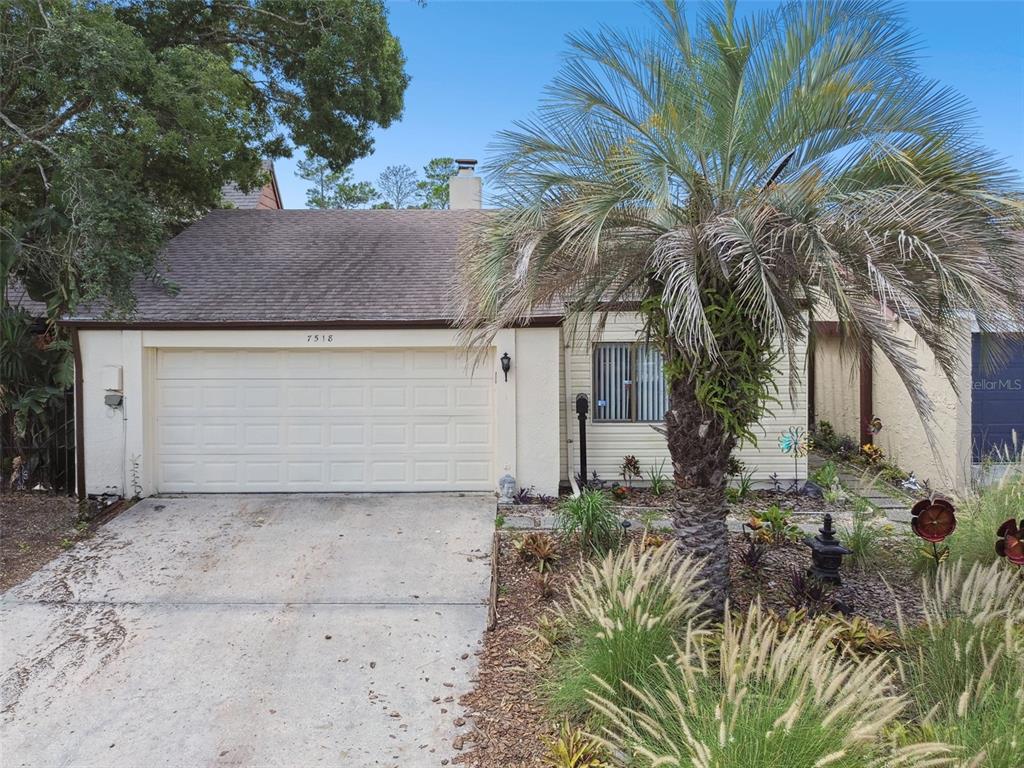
[(728, 178)]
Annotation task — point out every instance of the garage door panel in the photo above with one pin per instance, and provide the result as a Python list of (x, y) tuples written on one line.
[(347, 420)]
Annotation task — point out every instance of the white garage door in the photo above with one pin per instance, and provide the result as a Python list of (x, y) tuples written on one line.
[(322, 420)]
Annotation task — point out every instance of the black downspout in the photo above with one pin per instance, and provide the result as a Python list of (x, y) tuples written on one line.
[(582, 407)]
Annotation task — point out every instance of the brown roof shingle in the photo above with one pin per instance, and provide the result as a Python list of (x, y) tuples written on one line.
[(308, 266)]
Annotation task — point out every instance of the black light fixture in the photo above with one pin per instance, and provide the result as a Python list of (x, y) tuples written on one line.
[(506, 364)]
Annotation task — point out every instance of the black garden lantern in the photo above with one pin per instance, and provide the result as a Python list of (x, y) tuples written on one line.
[(826, 553), (506, 364)]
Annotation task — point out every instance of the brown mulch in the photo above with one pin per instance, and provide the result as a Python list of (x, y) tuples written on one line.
[(506, 708), (871, 593), (34, 529)]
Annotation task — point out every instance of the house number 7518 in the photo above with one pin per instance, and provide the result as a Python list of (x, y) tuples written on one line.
[(323, 338)]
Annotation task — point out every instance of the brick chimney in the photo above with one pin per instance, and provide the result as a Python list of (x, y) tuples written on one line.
[(464, 188)]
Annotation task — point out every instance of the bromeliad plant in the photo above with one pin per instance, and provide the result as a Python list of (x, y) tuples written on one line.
[(728, 176)]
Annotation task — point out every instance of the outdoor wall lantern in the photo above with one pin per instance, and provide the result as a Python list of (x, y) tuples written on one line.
[(826, 553), (506, 364)]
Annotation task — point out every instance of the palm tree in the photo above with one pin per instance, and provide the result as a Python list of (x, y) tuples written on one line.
[(729, 180)]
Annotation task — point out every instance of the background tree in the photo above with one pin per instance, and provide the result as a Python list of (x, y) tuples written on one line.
[(120, 122), (729, 178), (333, 189), (433, 188), (397, 185)]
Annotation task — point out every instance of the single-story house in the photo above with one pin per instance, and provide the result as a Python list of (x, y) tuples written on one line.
[(978, 421), (308, 350)]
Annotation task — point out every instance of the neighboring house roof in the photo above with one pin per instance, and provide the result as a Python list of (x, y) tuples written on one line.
[(267, 197), (18, 297), (355, 267)]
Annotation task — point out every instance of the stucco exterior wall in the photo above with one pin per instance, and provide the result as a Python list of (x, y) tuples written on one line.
[(608, 443), (904, 437), (837, 386), (119, 446)]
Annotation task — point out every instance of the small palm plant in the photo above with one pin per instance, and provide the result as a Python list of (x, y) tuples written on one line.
[(730, 179)]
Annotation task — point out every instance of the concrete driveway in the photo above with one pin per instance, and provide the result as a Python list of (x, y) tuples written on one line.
[(270, 630)]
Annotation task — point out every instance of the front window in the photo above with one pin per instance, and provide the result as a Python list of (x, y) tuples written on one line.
[(629, 382)]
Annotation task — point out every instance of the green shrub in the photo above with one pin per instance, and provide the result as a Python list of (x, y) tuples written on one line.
[(766, 696), (962, 669), (659, 482), (864, 539), (826, 475), (624, 615), (591, 518), (779, 522)]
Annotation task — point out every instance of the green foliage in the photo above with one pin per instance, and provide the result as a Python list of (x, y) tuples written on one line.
[(962, 666), (864, 539), (739, 385), (826, 475), (125, 120), (499, 521), (624, 613), (591, 518), (735, 172), (761, 695), (659, 483), (979, 516), (433, 188), (778, 524), (333, 189)]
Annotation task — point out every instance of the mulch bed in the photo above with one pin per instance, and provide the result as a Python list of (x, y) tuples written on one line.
[(507, 711), (505, 707), (871, 593), (32, 529), (36, 527)]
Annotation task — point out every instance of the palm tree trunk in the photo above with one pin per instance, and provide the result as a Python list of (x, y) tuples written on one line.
[(700, 448)]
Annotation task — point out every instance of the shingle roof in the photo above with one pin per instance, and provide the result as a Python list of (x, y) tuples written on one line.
[(254, 197), (295, 266), (17, 296)]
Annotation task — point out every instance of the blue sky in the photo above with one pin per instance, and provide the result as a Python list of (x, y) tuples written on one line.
[(478, 66)]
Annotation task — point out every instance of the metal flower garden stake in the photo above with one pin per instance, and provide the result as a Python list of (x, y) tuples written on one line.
[(797, 443), (1010, 543), (933, 520)]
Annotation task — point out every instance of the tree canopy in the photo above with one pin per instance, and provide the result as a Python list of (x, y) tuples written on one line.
[(120, 122), (333, 189), (730, 179)]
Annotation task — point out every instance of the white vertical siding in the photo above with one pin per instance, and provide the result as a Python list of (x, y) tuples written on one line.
[(609, 442)]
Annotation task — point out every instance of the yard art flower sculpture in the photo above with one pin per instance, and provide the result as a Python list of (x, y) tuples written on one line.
[(1011, 541), (795, 442), (933, 520)]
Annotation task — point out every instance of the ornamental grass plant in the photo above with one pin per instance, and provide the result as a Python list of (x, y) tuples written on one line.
[(964, 668), (625, 613), (764, 696)]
